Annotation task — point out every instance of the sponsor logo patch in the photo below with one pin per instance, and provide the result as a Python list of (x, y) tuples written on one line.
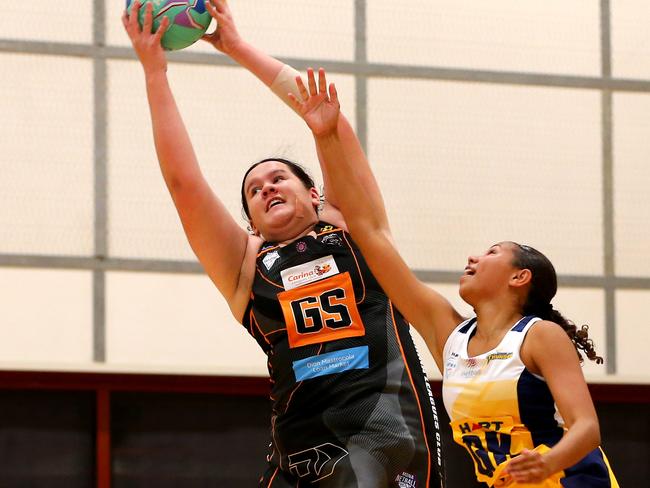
[(406, 480), (332, 240), (495, 356), (308, 272), (331, 363), (270, 258), (473, 367)]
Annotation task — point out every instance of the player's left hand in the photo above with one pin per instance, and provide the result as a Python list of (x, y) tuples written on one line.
[(528, 467), (225, 38), (319, 107)]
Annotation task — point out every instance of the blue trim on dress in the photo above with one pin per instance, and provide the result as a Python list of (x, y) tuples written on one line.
[(521, 325), (467, 326)]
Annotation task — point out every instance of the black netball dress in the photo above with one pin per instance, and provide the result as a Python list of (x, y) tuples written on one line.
[(351, 404)]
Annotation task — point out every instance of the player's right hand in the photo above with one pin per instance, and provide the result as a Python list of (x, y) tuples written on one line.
[(145, 43)]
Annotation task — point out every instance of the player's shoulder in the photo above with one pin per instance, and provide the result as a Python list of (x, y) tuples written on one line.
[(546, 330), (544, 336)]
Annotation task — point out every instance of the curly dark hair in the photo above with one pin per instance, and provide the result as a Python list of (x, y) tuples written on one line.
[(542, 290)]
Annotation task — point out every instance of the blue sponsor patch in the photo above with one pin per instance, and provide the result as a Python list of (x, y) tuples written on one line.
[(331, 362)]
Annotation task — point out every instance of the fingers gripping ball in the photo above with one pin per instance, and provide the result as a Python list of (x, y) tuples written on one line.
[(188, 20)]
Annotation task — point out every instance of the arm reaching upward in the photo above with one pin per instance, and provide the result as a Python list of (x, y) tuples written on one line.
[(281, 79), (220, 244), (429, 312)]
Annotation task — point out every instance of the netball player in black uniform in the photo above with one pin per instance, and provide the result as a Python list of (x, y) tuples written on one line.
[(351, 404)]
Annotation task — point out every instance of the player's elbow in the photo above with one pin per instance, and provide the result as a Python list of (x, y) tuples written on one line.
[(183, 186), (591, 430), (368, 229), (595, 434)]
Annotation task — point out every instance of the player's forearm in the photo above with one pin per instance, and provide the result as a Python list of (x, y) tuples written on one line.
[(581, 438), (174, 149), (341, 162), (262, 65), (356, 155)]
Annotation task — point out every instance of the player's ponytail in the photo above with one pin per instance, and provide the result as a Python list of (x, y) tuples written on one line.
[(542, 290)]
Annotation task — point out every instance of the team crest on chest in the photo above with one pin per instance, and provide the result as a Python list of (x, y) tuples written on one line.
[(301, 246)]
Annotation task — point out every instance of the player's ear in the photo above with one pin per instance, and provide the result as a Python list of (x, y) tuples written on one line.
[(521, 277)]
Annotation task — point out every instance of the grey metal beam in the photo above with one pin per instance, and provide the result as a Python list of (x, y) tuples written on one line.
[(99, 316), (361, 81), (378, 70), (193, 267), (100, 152), (92, 263), (568, 281), (609, 244)]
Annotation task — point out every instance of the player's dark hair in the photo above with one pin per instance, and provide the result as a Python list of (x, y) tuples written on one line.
[(543, 287), (295, 168)]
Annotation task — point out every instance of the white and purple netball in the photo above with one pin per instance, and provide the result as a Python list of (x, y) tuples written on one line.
[(188, 20)]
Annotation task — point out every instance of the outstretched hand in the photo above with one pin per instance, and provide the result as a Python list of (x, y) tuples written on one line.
[(145, 43), (225, 37), (528, 467), (319, 107)]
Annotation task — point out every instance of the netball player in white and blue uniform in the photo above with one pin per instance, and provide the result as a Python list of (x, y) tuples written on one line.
[(512, 381)]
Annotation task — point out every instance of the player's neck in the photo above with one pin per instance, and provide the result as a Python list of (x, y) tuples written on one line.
[(310, 229), (494, 318)]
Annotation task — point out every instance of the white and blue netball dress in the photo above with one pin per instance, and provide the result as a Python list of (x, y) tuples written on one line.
[(498, 408)]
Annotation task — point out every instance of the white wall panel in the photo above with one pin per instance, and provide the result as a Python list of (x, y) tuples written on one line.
[(632, 334), (46, 317), (233, 121), (630, 38), (174, 323), (463, 166), (45, 20), (46, 162), (551, 36), (631, 181)]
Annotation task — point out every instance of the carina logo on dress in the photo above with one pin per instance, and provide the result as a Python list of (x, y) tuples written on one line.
[(309, 272)]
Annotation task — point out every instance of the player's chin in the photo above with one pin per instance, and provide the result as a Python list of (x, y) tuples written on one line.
[(279, 216), (466, 290)]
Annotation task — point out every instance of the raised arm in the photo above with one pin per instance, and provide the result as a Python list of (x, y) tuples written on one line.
[(281, 79), (428, 311), (220, 244)]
